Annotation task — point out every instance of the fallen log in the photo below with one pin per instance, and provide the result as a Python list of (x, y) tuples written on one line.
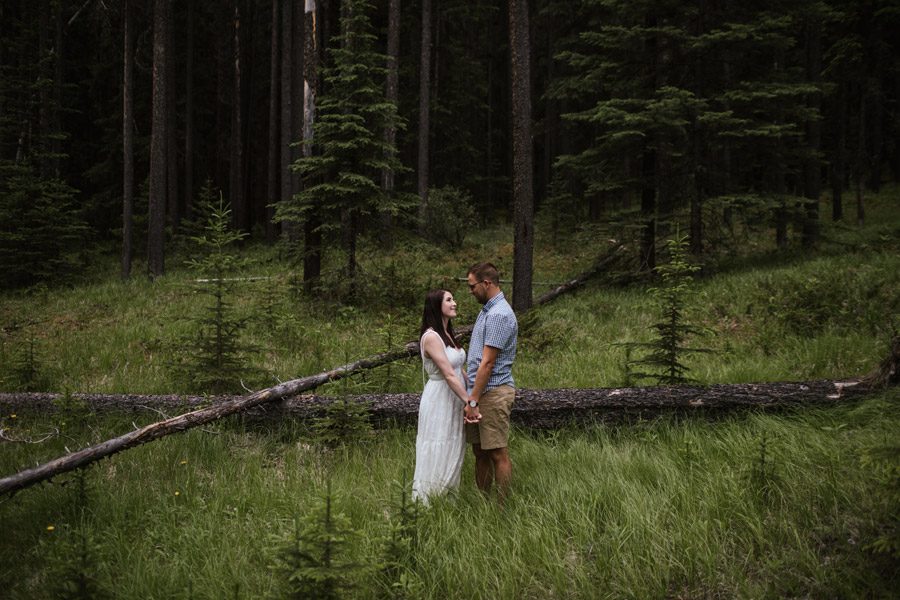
[(533, 408), (601, 265), (195, 418), (540, 409)]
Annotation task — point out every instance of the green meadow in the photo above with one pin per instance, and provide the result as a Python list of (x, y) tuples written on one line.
[(799, 504)]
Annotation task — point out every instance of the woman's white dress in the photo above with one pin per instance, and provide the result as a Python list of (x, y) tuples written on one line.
[(440, 442)]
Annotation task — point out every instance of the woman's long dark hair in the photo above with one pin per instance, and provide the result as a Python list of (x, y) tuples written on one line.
[(432, 317)]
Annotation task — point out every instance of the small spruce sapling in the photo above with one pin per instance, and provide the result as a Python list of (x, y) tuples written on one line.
[(75, 569), (664, 354), (399, 551), (315, 557), (214, 359)]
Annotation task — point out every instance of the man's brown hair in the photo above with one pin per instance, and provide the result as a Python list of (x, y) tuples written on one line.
[(485, 272)]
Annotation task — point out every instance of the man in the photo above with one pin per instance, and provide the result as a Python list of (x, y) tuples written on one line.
[(489, 371)]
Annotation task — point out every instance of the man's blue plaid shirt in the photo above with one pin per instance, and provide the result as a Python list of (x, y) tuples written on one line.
[(496, 326)]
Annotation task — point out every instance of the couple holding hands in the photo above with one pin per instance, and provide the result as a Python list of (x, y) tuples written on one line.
[(473, 407)]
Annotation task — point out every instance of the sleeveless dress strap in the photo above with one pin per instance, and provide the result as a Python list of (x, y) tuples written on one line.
[(422, 350)]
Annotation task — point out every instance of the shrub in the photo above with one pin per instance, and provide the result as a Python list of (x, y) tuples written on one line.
[(314, 557), (344, 422), (664, 353), (449, 215), (213, 358), (41, 230)]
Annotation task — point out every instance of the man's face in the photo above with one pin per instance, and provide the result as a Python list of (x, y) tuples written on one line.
[(478, 288)]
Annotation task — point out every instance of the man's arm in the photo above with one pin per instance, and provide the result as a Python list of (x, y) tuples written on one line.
[(482, 376)]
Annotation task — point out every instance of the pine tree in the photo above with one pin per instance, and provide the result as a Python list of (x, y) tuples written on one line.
[(315, 556), (213, 358), (41, 229), (664, 354), (343, 181)]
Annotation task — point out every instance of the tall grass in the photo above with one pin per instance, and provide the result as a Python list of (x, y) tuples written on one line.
[(659, 509), (752, 506)]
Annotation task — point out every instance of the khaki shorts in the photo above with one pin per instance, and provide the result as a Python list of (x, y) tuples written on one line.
[(493, 430)]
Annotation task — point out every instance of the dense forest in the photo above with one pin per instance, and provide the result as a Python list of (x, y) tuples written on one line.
[(324, 121)]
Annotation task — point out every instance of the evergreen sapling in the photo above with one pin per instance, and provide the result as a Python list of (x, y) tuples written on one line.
[(215, 358), (663, 358)]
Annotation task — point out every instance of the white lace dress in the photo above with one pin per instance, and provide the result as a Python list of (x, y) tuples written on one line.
[(440, 442)]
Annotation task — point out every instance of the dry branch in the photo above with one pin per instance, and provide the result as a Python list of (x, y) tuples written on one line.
[(218, 410), (533, 408), (544, 408)]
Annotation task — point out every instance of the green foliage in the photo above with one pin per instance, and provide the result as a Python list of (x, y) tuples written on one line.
[(884, 463), (76, 551), (643, 508), (449, 216), (41, 230), (863, 297), (763, 475), (398, 562), (72, 414), (342, 178), (344, 422), (25, 371), (315, 558), (213, 358), (664, 354)]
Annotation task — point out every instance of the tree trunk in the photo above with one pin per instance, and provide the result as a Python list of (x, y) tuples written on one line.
[(861, 159), (44, 109), (127, 138), (522, 158), (876, 125), (777, 169), (648, 212), (390, 131), (287, 108), (839, 160), (273, 184), (698, 193), (158, 139), (697, 140), (189, 115), (236, 171), (311, 58), (551, 135), (813, 166), (424, 108), (172, 202), (56, 118)]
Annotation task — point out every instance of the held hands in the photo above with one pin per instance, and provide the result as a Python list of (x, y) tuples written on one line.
[(471, 415)]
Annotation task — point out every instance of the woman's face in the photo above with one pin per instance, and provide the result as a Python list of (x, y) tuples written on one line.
[(448, 306)]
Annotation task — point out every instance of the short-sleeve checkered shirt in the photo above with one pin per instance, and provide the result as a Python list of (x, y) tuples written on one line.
[(496, 326)]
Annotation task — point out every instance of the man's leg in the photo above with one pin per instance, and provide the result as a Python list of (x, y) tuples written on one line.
[(484, 468), (499, 458)]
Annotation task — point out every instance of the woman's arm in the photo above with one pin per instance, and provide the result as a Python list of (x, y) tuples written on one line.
[(434, 349)]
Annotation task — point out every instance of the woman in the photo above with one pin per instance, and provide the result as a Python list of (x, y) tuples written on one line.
[(440, 442)]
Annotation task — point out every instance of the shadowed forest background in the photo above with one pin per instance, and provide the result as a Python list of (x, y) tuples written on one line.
[(204, 198), (642, 119)]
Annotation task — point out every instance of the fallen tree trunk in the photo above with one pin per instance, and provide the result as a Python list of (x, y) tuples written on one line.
[(157, 430), (601, 265), (533, 408)]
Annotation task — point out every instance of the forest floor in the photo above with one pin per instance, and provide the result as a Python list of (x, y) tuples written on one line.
[(791, 505)]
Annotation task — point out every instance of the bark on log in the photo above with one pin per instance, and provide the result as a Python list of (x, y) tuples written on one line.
[(541, 409), (153, 431), (533, 408)]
